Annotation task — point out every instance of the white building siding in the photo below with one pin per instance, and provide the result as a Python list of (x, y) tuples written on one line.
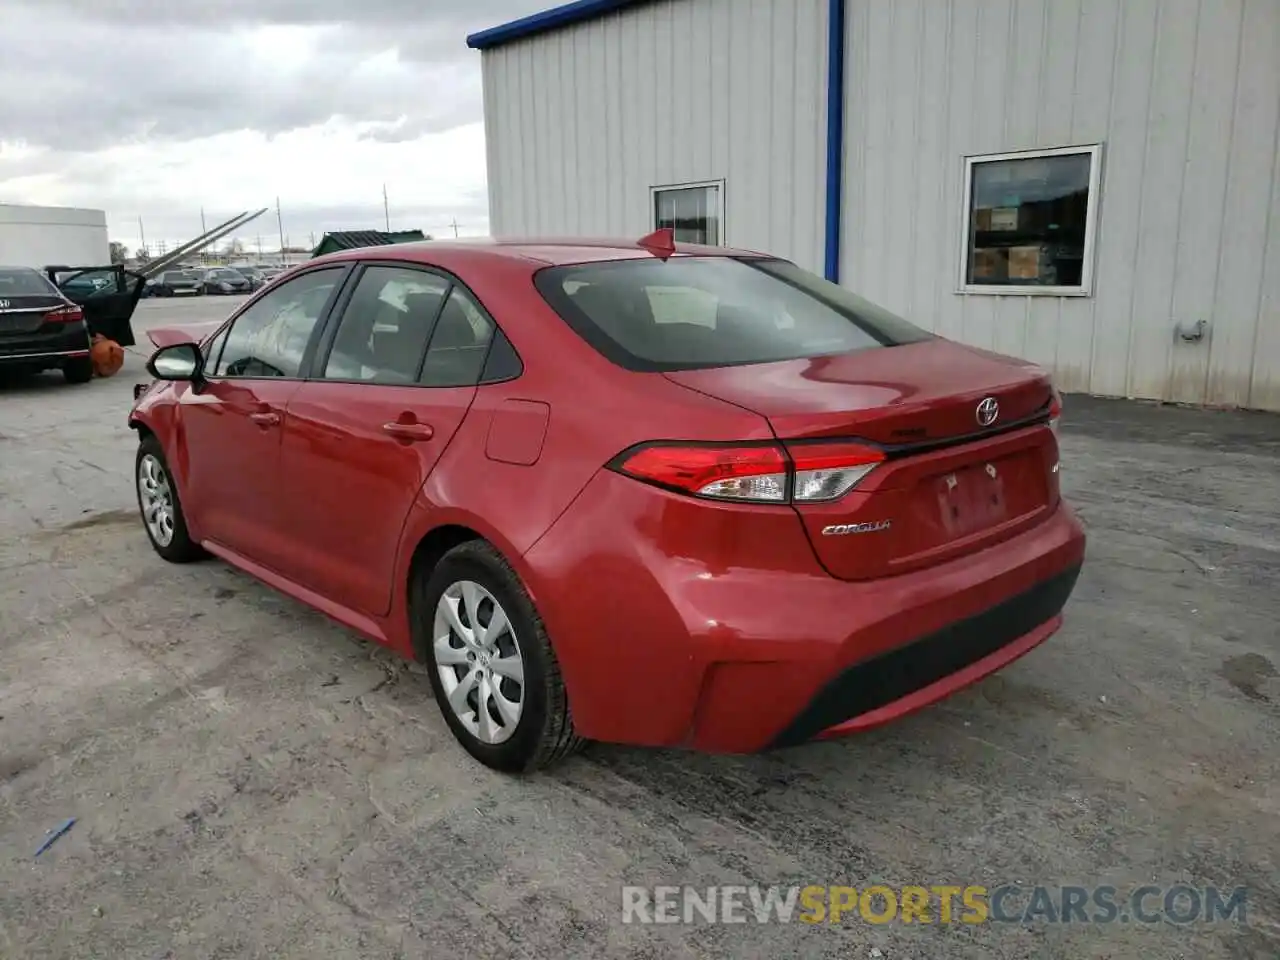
[(582, 122), (46, 236), (1183, 95)]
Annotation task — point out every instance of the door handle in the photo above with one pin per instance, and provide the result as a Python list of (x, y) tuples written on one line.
[(265, 419), (408, 432)]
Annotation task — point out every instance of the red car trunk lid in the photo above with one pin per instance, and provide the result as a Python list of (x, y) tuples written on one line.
[(951, 482)]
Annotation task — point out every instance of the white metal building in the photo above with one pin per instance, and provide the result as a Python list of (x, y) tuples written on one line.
[(1091, 184), (47, 236)]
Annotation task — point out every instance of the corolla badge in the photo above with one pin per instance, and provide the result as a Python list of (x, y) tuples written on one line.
[(988, 411), (844, 529)]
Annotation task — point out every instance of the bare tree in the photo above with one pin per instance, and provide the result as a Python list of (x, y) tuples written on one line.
[(119, 252)]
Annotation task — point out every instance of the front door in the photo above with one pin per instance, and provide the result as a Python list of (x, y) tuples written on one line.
[(391, 389), (233, 422)]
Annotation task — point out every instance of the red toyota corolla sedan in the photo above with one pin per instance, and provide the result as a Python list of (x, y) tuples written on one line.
[(635, 492)]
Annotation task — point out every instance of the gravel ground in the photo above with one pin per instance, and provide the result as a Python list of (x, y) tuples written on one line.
[(251, 780)]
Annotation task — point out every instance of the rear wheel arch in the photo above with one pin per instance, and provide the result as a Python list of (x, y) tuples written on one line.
[(435, 543)]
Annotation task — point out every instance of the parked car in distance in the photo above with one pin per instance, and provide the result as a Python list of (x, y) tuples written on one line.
[(224, 280), (256, 278), (41, 327), (762, 510), (178, 283)]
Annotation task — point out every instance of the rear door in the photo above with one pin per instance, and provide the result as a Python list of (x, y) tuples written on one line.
[(107, 295), (232, 423), (394, 379)]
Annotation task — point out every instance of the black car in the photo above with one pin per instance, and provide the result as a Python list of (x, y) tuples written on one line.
[(257, 280), (226, 281), (41, 327), (178, 283)]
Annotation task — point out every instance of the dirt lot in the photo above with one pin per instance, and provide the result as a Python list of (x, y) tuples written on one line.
[(252, 781)]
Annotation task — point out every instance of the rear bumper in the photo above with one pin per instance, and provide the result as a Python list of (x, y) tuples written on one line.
[(762, 648), (45, 347), (882, 688)]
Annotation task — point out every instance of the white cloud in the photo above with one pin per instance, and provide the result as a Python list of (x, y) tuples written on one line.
[(231, 104)]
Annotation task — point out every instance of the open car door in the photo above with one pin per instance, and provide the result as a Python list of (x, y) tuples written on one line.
[(108, 296)]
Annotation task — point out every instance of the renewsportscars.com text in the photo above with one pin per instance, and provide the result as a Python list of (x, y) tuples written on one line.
[(935, 904)]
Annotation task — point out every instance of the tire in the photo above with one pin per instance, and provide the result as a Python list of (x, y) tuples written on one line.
[(543, 733), (172, 540), (78, 370)]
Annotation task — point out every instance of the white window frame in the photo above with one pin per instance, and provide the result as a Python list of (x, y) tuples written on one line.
[(720, 202), (1085, 289)]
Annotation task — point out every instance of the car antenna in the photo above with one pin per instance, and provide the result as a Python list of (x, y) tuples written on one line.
[(661, 243)]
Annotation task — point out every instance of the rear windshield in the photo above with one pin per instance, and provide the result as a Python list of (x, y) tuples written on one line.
[(25, 283), (692, 312)]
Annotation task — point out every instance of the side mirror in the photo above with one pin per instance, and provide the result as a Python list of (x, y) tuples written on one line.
[(178, 361)]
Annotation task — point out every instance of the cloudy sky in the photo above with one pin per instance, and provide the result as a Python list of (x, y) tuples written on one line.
[(156, 108)]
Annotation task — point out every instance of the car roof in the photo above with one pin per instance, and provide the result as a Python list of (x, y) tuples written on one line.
[(544, 252)]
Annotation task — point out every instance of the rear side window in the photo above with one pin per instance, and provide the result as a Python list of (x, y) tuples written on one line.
[(385, 326), (692, 312), (459, 344)]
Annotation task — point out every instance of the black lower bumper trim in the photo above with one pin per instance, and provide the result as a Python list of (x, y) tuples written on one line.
[(48, 346), (881, 680)]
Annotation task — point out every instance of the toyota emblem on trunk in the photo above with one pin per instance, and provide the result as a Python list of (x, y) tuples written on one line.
[(987, 412)]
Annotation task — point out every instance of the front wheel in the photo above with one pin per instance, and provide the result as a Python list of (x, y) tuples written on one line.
[(491, 666), (161, 510)]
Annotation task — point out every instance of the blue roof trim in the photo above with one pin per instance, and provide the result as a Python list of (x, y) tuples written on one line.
[(553, 19), (835, 140)]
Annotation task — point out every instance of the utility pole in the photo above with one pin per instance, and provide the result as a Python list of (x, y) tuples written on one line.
[(203, 230), (144, 235), (386, 210), (455, 228), (280, 224)]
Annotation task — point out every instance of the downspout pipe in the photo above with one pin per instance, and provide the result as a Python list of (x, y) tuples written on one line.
[(835, 136)]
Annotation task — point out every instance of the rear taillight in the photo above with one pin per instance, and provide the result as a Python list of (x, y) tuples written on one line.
[(828, 471), (1055, 411), (728, 472), (764, 473), (64, 315)]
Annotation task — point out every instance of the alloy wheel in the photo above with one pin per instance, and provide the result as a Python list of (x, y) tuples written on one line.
[(156, 495), (477, 657)]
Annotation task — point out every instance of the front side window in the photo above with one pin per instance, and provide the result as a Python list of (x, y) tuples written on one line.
[(1030, 222), (385, 327), (694, 212), (693, 312), (270, 338)]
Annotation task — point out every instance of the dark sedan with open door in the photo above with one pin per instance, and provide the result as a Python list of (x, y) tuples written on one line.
[(41, 327)]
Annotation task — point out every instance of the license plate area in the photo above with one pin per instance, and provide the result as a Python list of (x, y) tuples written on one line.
[(981, 495), (26, 321)]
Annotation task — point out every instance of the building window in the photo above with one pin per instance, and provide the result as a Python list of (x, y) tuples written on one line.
[(695, 211), (1030, 222)]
